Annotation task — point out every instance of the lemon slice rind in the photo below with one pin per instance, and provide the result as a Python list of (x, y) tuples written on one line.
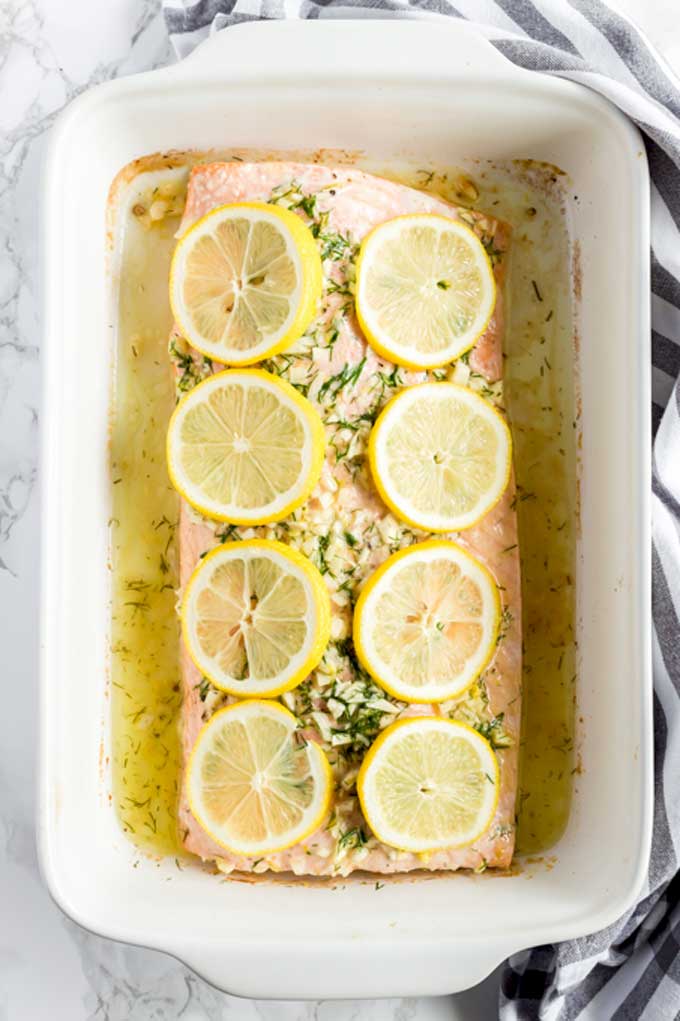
[(318, 775), (418, 292), (457, 765), (383, 593), (419, 447), (295, 576), (311, 452), (233, 284)]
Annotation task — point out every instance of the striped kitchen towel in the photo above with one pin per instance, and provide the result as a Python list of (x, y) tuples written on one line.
[(632, 969)]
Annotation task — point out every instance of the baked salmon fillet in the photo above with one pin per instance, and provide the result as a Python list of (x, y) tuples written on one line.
[(347, 531)]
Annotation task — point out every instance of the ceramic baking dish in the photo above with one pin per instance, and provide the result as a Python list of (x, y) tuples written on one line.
[(443, 92)]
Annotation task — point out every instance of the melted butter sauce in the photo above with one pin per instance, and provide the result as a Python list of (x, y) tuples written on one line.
[(540, 396), (145, 678)]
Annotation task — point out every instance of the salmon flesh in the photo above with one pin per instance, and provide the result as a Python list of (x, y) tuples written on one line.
[(347, 531)]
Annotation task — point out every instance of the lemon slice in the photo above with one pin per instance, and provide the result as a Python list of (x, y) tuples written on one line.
[(428, 784), (244, 446), (426, 622), (256, 617), (253, 783), (245, 281), (425, 289), (440, 456)]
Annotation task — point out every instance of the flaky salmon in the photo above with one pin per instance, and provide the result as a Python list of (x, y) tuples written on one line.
[(345, 528)]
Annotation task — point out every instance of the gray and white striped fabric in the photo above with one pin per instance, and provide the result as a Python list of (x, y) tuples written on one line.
[(632, 969)]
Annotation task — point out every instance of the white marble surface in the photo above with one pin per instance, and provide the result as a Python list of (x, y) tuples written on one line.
[(51, 50)]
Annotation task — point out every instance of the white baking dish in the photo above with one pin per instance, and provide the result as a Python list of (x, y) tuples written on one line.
[(384, 87)]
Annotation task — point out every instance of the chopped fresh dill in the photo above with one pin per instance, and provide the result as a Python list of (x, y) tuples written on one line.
[(353, 838), (308, 205), (348, 376), (190, 374), (506, 621), (203, 688), (335, 246), (227, 534), (494, 732), (322, 548), (495, 254), (392, 378)]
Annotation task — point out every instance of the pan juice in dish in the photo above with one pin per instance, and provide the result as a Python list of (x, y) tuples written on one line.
[(521, 363)]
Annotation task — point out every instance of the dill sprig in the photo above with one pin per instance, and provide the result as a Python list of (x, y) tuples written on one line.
[(348, 376)]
